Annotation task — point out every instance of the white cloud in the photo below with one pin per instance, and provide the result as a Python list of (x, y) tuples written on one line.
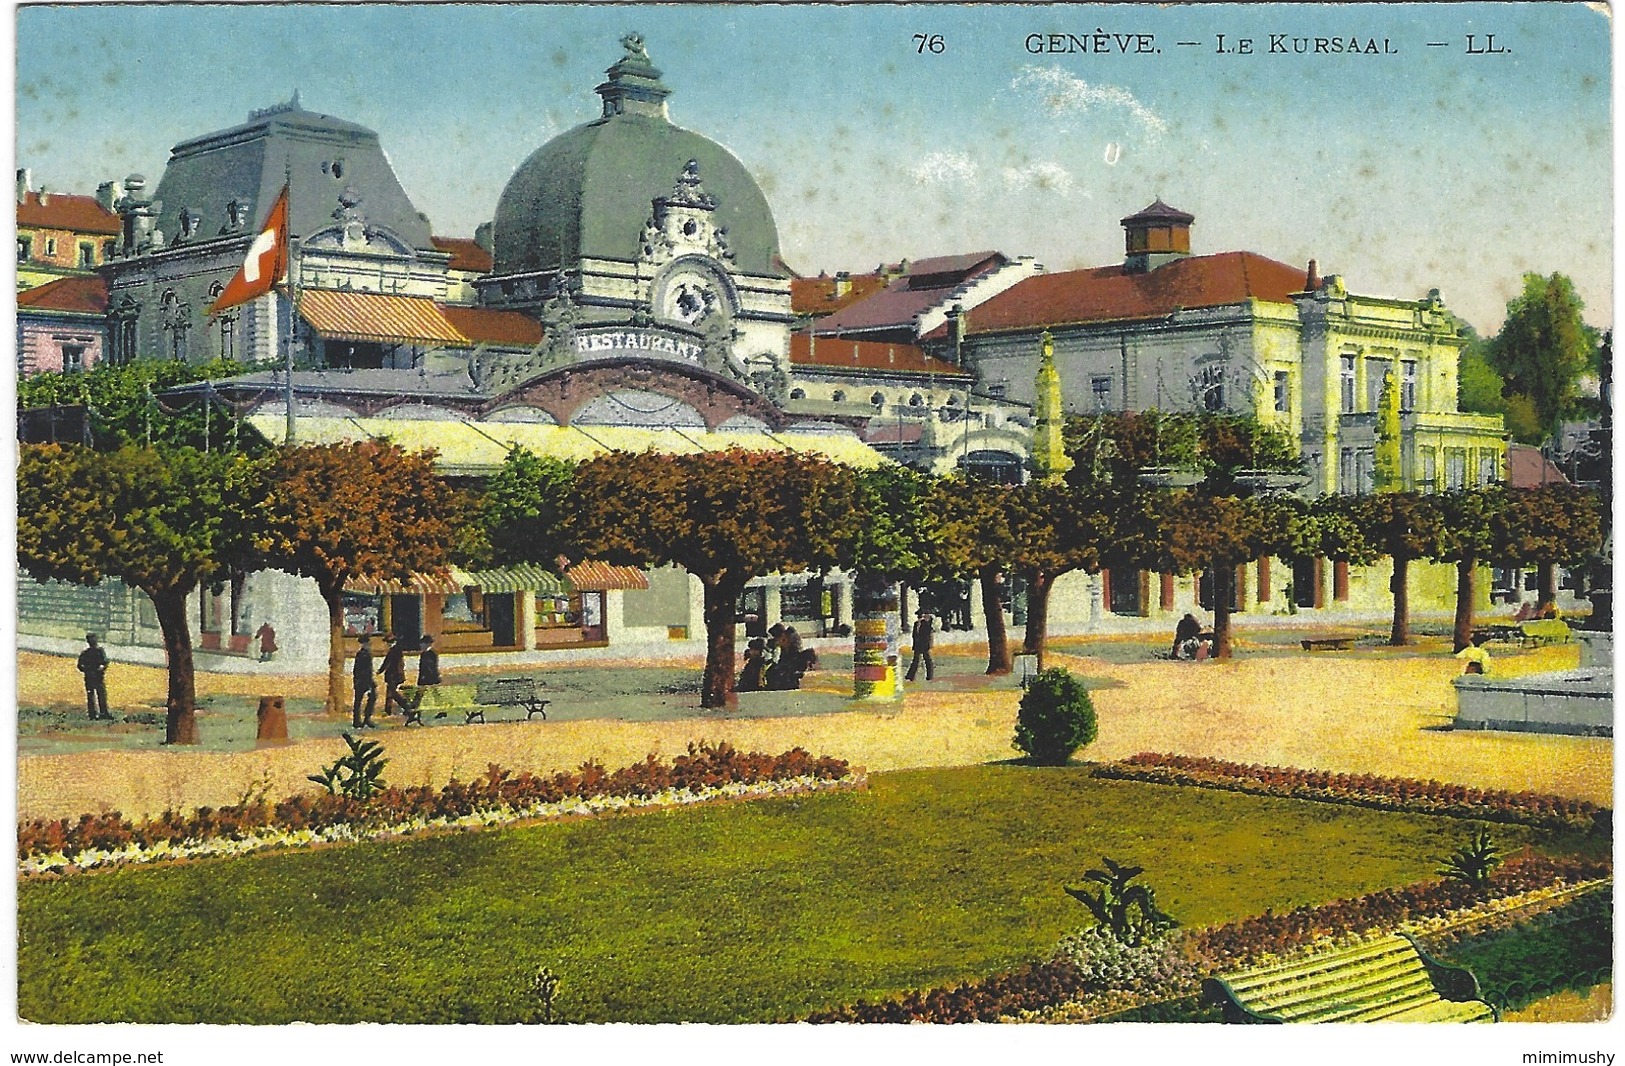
[(1063, 94), (1045, 177), (937, 168)]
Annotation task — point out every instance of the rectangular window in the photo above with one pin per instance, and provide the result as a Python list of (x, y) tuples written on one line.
[(1365, 473), (73, 357), (50, 247), (1283, 392), (108, 248), (1345, 471), (1455, 469), (1486, 468), (25, 248), (87, 256), (1430, 471), (1101, 387), (1407, 385), (1347, 362), (228, 337)]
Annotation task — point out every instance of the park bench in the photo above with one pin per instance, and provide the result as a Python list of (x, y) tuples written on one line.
[(1389, 979), (1328, 644), (1546, 631), (1498, 633), (442, 699), (513, 692)]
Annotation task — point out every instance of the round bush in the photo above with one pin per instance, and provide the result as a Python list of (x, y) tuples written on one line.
[(1056, 718)]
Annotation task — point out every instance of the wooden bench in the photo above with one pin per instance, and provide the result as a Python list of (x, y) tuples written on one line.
[(1328, 644), (1546, 631), (1498, 633), (1389, 979), (442, 699), (513, 692)]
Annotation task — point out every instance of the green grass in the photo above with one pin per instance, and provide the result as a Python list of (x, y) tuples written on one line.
[(741, 912), (1566, 948)]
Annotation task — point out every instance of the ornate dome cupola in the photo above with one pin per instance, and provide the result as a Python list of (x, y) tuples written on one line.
[(1155, 236), (634, 86)]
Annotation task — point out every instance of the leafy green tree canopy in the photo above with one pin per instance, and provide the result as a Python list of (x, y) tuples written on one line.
[(1542, 351)]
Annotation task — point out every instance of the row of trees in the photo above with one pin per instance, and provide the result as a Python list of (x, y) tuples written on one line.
[(170, 518)]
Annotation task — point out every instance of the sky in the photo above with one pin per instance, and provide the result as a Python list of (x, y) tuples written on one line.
[(1425, 168)]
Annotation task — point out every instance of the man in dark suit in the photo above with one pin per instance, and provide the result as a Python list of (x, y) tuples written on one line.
[(365, 686), (921, 637)]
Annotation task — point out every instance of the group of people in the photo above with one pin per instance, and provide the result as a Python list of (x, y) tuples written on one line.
[(1190, 642), (776, 662), (393, 671)]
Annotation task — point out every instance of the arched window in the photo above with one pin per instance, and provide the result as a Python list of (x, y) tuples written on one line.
[(798, 394), (916, 400), (878, 399), (839, 395)]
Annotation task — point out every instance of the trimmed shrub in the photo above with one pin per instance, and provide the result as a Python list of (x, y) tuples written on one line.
[(1057, 717)]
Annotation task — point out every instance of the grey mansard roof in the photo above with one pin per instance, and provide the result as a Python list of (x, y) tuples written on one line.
[(251, 162), (587, 193)]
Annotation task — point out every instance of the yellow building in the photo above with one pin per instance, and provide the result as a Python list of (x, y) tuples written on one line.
[(61, 235)]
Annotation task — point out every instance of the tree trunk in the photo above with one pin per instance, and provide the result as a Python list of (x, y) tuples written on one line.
[(998, 642), (1548, 586), (180, 705), (721, 610), (334, 598), (1399, 585), (1224, 577), (1466, 586), (1039, 585)]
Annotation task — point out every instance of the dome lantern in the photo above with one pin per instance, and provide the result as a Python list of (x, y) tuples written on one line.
[(634, 86)]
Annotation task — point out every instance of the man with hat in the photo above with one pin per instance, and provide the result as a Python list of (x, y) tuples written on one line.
[(921, 637), (93, 664), (394, 671), (365, 686)]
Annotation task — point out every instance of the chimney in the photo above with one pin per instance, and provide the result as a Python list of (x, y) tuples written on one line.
[(956, 332), (42, 196), (108, 194), (25, 184), (843, 283), (1312, 281)]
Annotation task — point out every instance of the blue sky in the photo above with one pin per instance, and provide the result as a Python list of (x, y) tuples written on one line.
[(1422, 169)]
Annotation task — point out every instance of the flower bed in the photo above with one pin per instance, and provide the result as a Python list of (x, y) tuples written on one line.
[(1059, 989), (1362, 790), (707, 772)]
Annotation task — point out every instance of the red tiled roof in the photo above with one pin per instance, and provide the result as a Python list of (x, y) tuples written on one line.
[(897, 305), (816, 296), (466, 254), (484, 325), (1527, 468), (867, 355), (1102, 294), (81, 214), (87, 295)]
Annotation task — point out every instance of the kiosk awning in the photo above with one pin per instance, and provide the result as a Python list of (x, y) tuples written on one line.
[(521, 578), (593, 576)]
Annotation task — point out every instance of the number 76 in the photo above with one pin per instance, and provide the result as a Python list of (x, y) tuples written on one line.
[(932, 43)]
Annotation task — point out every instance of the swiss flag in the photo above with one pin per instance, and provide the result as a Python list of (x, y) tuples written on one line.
[(266, 262)]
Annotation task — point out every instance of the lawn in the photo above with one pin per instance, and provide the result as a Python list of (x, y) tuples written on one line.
[(743, 912)]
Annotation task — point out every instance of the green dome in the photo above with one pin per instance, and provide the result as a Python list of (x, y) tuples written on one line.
[(588, 193)]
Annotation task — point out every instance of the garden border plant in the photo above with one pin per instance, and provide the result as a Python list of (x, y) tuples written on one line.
[(1539, 810), (1057, 989), (497, 797)]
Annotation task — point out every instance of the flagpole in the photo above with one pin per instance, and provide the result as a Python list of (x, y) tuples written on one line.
[(293, 301)]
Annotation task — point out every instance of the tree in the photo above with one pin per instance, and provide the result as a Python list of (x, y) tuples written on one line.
[(1469, 519), (162, 521), (1389, 472), (1405, 526), (366, 511), (1542, 351), (725, 517), (972, 522), (1056, 529), (523, 506), (1219, 534), (1548, 527)]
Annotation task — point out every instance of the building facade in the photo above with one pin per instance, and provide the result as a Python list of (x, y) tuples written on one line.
[(61, 235)]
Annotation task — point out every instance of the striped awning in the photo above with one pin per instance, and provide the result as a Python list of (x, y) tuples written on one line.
[(593, 576), (416, 585), (522, 578), (377, 316)]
